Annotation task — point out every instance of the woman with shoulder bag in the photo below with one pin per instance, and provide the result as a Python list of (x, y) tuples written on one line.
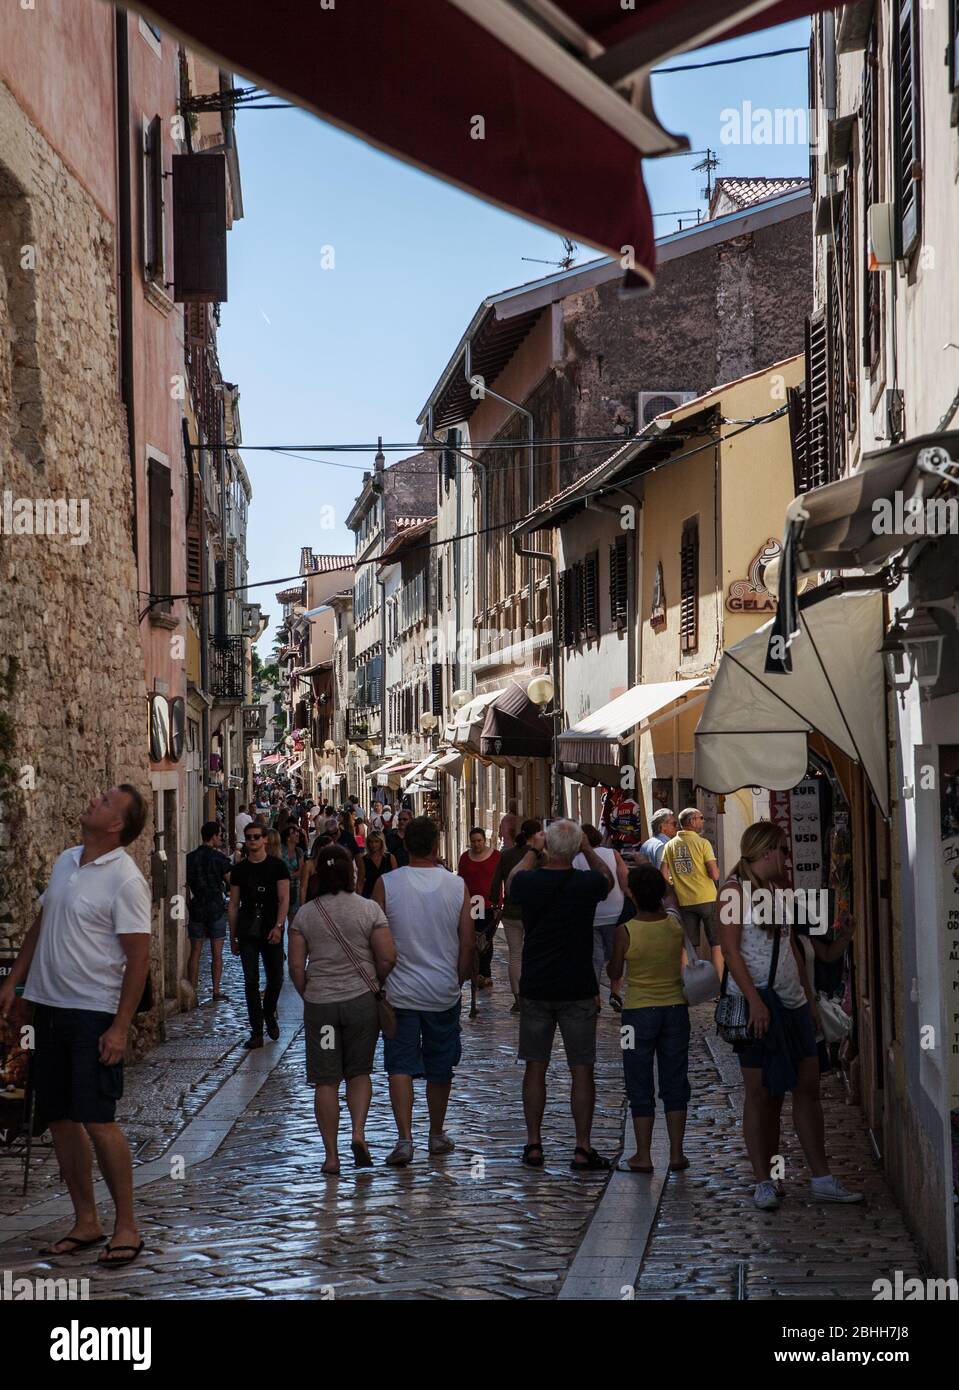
[(767, 1010), (341, 950)]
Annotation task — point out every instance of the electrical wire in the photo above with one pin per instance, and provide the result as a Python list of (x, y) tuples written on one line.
[(462, 535)]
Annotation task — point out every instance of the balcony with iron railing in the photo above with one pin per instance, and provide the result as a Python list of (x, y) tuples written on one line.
[(227, 668)]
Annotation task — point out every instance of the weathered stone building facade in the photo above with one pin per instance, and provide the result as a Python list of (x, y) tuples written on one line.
[(72, 703)]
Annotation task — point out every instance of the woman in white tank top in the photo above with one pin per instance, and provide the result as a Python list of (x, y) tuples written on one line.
[(748, 949)]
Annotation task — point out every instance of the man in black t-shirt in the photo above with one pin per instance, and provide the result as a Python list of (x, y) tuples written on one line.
[(206, 869), (396, 839), (558, 982), (259, 902)]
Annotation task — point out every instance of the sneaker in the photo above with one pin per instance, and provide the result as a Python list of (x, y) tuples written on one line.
[(765, 1197), (441, 1144), (830, 1189), (401, 1155)]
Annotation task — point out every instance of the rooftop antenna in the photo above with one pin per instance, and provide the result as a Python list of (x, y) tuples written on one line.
[(569, 255), (707, 165)]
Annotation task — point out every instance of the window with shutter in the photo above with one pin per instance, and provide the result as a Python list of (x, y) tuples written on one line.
[(436, 673), (151, 202), (160, 495), (836, 373), (199, 228), (850, 364), (589, 624), (817, 417), (872, 285), (219, 584), (619, 583), (907, 127), (689, 587), (560, 617)]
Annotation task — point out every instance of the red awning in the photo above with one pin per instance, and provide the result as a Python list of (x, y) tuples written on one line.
[(561, 144)]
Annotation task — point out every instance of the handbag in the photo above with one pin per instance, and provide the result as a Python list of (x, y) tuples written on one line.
[(836, 1023), (732, 1010), (384, 1009), (700, 977)]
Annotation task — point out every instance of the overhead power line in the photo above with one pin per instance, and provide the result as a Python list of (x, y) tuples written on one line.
[(460, 535)]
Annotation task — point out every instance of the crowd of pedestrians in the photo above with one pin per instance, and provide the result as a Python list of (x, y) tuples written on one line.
[(381, 935)]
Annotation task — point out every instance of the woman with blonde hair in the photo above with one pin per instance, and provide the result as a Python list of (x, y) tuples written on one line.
[(764, 965), (274, 844)]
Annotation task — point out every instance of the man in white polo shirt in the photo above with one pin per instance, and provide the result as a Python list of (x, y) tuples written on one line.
[(85, 962)]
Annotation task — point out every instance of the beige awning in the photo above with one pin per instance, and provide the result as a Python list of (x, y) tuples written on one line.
[(420, 772), (875, 512), (451, 763), (595, 741), (470, 720), (754, 729)]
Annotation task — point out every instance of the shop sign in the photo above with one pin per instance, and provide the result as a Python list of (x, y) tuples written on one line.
[(797, 815), (750, 595)]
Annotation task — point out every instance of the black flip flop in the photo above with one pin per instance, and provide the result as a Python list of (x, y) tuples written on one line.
[(127, 1259), (75, 1245), (595, 1163), (531, 1159), (362, 1157)]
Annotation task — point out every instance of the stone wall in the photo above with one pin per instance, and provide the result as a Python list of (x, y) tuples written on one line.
[(714, 315), (73, 712)]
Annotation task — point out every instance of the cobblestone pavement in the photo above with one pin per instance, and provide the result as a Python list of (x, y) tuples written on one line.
[(710, 1242), (257, 1219)]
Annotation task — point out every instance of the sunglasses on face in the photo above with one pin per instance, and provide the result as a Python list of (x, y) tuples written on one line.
[(250, 838)]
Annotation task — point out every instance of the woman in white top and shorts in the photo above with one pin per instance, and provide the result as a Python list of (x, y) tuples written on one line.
[(747, 946), (338, 1004)]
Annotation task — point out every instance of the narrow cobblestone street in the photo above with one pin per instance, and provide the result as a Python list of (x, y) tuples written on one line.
[(255, 1218)]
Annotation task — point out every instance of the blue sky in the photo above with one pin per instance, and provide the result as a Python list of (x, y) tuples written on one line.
[(345, 354)]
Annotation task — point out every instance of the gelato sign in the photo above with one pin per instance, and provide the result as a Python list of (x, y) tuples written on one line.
[(750, 595)]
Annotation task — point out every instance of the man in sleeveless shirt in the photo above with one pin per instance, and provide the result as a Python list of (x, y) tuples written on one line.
[(428, 911)]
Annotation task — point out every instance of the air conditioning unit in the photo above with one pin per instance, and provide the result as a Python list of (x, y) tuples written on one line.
[(249, 619), (649, 404)]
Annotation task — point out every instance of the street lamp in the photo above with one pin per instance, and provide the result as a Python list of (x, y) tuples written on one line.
[(540, 691), (923, 640), (459, 698)]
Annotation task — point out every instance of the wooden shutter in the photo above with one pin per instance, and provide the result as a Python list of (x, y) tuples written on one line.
[(160, 494), (590, 595), (848, 268), (436, 687), (561, 616), (817, 414), (199, 227), (836, 367), (219, 584), (907, 127), (689, 587), (619, 583), (953, 52), (871, 301)]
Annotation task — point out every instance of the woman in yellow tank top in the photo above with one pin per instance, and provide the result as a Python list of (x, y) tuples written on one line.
[(650, 948)]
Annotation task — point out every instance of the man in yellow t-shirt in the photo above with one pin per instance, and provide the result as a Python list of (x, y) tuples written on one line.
[(690, 866)]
